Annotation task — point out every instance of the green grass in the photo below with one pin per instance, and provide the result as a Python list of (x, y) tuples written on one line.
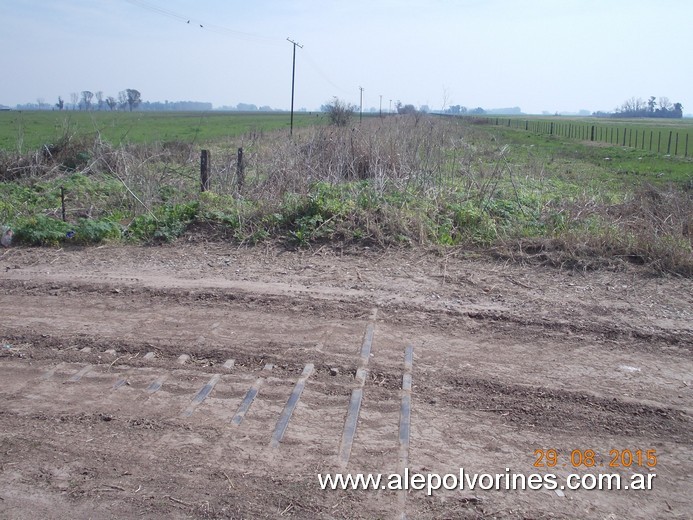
[(646, 134), (24, 131), (619, 166), (447, 182)]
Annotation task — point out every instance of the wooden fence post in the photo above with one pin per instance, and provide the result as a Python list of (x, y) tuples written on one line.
[(686, 154), (669, 143), (676, 148), (204, 170), (240, 173), (62, 201)]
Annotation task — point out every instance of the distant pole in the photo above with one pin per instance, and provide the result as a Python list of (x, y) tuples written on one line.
[(390, 111), (293, 82), (361, 109), (381, 105)]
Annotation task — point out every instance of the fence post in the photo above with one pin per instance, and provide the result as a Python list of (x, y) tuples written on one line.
[(62, 201), (669, 143), (240, 173), (686, 154), (676, 148), (204, 170)]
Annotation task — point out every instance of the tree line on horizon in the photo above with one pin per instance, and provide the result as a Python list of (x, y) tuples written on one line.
[(127, 99), (653, 107)]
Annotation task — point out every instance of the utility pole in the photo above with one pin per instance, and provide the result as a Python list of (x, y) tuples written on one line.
[(381, 105), (293, 82), (361, 110), (390, 111)]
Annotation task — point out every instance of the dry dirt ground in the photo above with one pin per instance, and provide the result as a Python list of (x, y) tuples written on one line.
[(100, 418)]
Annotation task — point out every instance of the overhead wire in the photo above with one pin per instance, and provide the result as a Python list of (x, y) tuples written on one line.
[(203, 24), (194, 22)]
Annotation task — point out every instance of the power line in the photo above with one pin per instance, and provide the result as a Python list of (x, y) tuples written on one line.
[(202, 24)]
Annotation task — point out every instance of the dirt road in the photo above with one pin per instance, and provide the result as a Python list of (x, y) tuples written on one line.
[(206, 381)]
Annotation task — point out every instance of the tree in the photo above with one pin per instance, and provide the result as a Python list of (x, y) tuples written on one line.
[(87, 96), (111, 102), (134, 98), (122, 99), (339, 112), (74, 98), (664, 104), (99, 99), (651, 104), (677, 111), (60, 104), (406, 109)]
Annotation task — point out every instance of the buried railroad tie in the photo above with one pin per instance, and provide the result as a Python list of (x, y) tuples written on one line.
[(49, 373), (76, 377), (285, 417), (250, 397), (201, 395), (405, 409), (405, 423), (119, 382), (352, 418), (155, 386), (367, 343)]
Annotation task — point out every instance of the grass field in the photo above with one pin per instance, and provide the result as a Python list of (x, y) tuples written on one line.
[(402, 181), (28, 130), (661, 136)]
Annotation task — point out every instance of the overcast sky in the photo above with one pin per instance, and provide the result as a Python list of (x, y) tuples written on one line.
[(540, 55)]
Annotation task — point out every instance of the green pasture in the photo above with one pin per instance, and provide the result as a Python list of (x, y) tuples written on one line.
[(508, 190), (660, 136), (24, 131)]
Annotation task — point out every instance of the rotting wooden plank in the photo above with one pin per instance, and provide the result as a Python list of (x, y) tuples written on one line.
[(201, 395), (352, 418), (367, 344), (250, 397), (77, 376), (155, 386), (405, 423), (285, 417), (49, 374)]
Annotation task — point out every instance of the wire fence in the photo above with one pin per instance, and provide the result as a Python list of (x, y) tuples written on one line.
[(644, 136)]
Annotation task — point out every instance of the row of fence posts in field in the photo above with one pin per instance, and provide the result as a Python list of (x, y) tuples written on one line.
[(206, 160), (631, 137)]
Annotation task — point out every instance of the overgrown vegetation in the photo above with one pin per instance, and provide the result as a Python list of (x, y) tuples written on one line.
[(400, 180)]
